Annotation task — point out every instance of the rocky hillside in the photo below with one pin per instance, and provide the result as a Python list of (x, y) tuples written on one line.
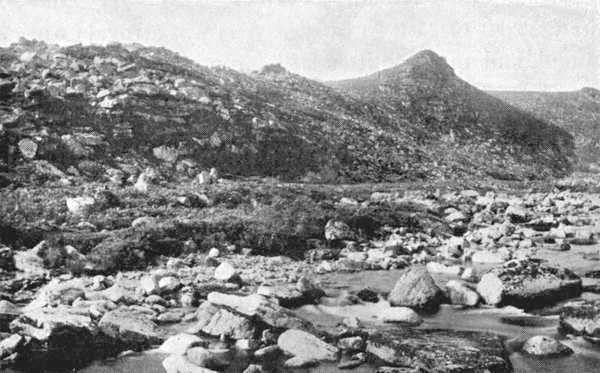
[(578, 112), (115, 110), (454, 120)]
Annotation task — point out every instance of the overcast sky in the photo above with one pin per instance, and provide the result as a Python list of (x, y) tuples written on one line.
[(494, 44)]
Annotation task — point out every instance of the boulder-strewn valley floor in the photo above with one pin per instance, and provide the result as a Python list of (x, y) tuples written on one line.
[(158, 215)]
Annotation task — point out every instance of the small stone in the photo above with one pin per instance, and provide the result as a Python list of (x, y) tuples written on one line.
[(214, 253)]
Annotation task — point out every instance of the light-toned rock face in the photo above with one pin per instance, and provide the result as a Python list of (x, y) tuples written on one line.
[(541, 345), (306, 346)]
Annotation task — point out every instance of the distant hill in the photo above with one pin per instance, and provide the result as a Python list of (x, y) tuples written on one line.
[(578, 112), (91, 110), (453, 119)]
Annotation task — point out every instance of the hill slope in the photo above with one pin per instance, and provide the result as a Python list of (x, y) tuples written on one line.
[(451, 117), (578, 112), (91, 110)]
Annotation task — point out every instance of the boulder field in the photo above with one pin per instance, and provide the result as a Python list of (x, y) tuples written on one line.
[(205, 283)]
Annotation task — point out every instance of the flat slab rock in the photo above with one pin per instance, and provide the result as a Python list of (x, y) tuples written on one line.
[(527, 284), (440, 351), (581, 318)]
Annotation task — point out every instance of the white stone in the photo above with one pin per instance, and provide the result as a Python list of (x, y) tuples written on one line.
[(225, 272), (80, 205)]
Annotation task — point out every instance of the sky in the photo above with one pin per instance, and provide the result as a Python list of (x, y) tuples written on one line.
[(493, 44)]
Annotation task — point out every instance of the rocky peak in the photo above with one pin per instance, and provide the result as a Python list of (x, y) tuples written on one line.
[(427, 65)]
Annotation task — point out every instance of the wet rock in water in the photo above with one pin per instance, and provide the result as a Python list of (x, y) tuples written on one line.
[(304, 345), (544, 346), (217, 321), (460, 293), (181, 364), (61, 338), (180, 343), (338, 230), (581, 318), (263, 309), (416, 289), (132, 328), (9, 345), (400, 315), (440, 350), (527, 284)]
